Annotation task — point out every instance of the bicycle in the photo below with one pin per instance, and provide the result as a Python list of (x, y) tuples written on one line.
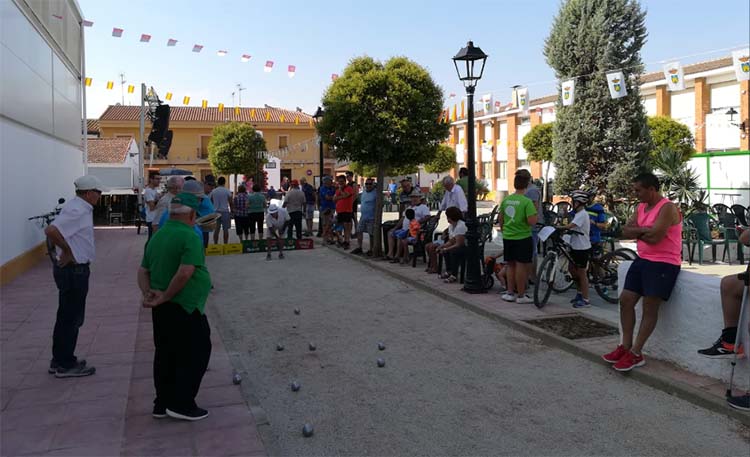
[(43, 220), (554, 275)]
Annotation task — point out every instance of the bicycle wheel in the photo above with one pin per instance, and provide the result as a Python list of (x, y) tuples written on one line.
[(488, 281), (606, 285), (544, 279), (627, 252), (563, 280)]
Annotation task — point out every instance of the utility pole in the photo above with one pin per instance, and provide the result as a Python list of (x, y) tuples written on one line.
[(122, 87), (239, 93), (232, 98)]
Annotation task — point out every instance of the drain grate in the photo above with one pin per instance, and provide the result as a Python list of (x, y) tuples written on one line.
[(574, 327)]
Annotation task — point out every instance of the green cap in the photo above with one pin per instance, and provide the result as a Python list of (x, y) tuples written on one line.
[(187, 199)]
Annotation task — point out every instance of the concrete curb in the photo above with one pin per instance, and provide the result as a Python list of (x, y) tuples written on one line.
[(665, 384)]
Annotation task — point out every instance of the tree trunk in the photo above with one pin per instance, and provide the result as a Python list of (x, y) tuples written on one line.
[(545, 196), (376, 243)]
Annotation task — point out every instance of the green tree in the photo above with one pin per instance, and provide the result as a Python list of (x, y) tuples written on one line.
[(538, 144), (599, 141), (384, 115), (371, 171), (234, 148), (667, 133), (444, 160)]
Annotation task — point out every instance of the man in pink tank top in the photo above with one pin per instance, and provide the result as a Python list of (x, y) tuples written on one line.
[(657, 225)]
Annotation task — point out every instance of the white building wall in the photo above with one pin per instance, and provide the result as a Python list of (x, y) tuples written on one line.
[(649, 104), (548, 116), (41, 119), (523, 129), (682, 107)]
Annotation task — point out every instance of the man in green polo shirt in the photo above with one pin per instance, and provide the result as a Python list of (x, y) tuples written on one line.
[(175, 285)]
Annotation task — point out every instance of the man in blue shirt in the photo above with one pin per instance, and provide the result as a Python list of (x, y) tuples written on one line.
[(206, 207), (310, 200), (326, 206), (367, 216)]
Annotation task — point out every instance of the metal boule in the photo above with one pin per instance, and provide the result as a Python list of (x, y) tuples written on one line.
[(279, 347), (236, 379), (297, 311), (295, 386), (381, 346), (312, 347), (307, 430), (381, 363)]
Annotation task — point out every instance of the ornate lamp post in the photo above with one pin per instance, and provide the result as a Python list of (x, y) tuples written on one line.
[(469, 64), (318, 116)]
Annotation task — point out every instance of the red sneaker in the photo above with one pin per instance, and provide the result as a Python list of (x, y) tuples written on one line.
[(616, 355), (629, 361)]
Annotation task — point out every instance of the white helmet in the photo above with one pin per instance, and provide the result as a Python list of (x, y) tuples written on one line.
[(580, 196)]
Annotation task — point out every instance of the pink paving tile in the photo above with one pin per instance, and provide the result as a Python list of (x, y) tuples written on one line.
[(112, 407), (143, 386), (224, 417), (143, 370), (34, 416), (219, 396), (228, 441), (91, 388), (5, 396), (143, 426), (96, 450), (34, 440), (175, 445), (43, 396), (141, 404), (143, 356), (119, 358), (96, 432)]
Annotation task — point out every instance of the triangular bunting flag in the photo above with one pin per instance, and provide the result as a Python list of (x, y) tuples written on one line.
[(197, 48), (269, 66), (168, 96), (117, 32), (236, 110), (110, 84), (296, 120), (171, 42), (310, 123), (252, 113), (268, 115), (281, 118), (462, 109), (186, 100), (291, 70), (145, 38)]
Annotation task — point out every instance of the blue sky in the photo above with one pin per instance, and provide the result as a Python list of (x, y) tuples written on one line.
[(320, 37)]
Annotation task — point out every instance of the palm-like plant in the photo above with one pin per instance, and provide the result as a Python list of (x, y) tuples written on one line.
[(679, 181)]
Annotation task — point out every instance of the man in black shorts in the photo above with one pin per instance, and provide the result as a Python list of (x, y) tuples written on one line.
[(657, 225)]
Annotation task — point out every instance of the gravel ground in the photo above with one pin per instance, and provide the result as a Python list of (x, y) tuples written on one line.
[(454, 383)]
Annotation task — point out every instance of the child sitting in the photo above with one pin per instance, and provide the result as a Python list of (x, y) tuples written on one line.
[(411, 235)]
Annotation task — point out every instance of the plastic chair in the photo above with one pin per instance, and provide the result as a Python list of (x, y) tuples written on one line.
[(700, 236), (741, 213), (720, 209), (425, 236)]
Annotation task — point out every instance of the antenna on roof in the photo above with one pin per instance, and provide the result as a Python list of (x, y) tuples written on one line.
[(239, 91)]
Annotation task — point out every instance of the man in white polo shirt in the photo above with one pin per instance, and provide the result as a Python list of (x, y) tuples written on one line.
[(454, 196), (72, 232)]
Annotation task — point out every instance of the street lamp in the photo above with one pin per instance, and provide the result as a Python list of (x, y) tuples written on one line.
[(318, 116), (467, 62), (731, 113)]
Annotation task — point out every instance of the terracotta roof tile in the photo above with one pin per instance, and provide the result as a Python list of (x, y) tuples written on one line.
[(92, 126), (690, 69), (108, 150), (211, 114)]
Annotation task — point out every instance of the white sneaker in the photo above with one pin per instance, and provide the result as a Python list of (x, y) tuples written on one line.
[(524, 299), (508, 297)]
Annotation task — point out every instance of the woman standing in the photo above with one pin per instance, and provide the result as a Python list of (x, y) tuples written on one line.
[(256, 206)]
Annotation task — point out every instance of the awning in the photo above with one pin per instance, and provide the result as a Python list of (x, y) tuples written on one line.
[(119, 192)]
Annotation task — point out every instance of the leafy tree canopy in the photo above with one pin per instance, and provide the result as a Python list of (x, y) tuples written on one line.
[(667, 133), (538, 142), (234, 148), (445, 159), (372, 171)]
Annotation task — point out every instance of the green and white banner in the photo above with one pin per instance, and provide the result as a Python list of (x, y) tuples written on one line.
[(616, 83), (675, 76), (741, 62), (568, 92)]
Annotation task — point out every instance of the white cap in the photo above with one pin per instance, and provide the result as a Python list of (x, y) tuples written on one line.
[(89, 182), (273, 208)]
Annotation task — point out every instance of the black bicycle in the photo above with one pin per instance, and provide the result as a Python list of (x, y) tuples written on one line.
[(43, 220), (554, 272)]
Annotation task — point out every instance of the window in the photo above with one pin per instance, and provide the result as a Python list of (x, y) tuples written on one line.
[(502, 169), (524, 164), (204, 147), (487, 170), (283, 141)]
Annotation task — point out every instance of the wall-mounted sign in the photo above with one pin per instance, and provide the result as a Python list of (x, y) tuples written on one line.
[(270, 165), (309, 172)]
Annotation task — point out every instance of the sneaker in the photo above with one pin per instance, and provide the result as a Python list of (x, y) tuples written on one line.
[(369, 253), (76, 371), (159, 412), (357, 251), (741, 402), (629, 361), (502, 290), (578, 297), (53, 366), (616, 355), (582, 303), (195, 414), (268, 257), (281, 255), (524, 299), (720, 350), (508, 297)]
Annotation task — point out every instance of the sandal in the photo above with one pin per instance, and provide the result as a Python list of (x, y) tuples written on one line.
[(395, 260), (450, 279)]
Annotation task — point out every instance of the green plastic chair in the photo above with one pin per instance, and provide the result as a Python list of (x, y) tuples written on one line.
[(699, 226)]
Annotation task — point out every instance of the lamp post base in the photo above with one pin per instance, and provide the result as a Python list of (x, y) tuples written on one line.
[(473, 281)]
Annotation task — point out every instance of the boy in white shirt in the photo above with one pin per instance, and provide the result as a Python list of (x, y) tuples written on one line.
[(581, 247)]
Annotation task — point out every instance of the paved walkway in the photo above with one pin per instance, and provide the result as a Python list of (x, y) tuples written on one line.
[(107, 414)]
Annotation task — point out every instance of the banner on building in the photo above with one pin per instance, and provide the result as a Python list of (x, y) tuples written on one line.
[(487, 103), (568, 89), (741, 61), (675, 76), (616, 83), (520, 98)]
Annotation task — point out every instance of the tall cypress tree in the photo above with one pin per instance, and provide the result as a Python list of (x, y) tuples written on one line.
[(599, 141)]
